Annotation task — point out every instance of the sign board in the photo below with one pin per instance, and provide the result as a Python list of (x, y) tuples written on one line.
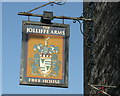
[(44, 59)]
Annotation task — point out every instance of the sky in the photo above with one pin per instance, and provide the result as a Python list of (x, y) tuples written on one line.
[(11, 47)]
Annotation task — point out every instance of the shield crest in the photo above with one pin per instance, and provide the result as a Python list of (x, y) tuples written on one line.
[(45, 65)]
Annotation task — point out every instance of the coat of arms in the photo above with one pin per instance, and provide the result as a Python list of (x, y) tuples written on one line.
[(45, 62)]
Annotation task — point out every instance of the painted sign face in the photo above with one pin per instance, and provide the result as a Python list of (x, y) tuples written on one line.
[(47, 54)]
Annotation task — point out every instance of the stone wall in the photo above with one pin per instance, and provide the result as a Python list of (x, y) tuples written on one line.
[(105, 42)]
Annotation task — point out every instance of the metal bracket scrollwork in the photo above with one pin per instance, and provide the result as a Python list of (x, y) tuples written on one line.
[(58, 2), (85, 35), (52, 2)]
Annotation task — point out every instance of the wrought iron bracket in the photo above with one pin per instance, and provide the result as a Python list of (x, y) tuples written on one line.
[(57, 17), (57, 2), (60, 2)]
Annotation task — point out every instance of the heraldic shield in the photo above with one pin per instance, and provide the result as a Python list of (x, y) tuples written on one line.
[(45, 65)]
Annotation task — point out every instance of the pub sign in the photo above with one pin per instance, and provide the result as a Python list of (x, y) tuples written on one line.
[(44, 59)]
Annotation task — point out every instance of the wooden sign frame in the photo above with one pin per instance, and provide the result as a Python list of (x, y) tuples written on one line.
[(45, 53)]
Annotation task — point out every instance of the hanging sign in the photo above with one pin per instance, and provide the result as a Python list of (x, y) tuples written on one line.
[(44, 59)]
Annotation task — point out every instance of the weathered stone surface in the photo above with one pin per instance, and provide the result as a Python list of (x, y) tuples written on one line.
[(106, 32)]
